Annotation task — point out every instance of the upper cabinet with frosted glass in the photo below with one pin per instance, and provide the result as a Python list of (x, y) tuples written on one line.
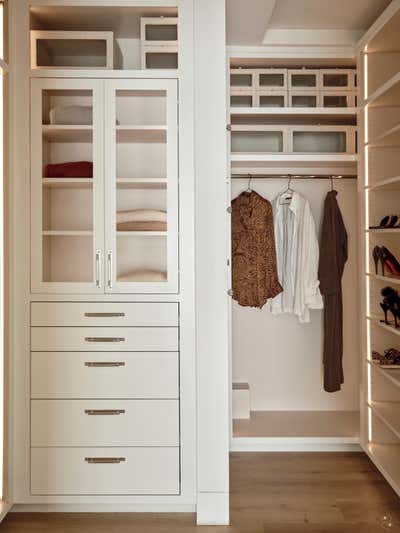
[(104, 37), (104, 186)]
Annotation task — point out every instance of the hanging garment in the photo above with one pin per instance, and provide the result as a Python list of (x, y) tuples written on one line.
[(254, 275), (298, 255), (331, 266)]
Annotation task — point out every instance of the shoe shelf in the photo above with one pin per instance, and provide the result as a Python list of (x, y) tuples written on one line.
[(386, 279), (392, 374), (389, 413), (386, 459), (388, 94), (383, 230), (391, 137), (376, 320), (389, 184)]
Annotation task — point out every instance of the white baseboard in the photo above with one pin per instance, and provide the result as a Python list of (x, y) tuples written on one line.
[(102, 508), (290, 444), (212, 509)]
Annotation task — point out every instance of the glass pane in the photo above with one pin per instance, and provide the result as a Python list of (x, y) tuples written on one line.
[(272, 101), (335, 101), (241, 101), (335, 80), (257, 141), (304, 100), (240, 80), (161, 32), (304, 80), (319, 142), (71, 53), (162, 60), (272, 80), (67, 187), (141, 210)]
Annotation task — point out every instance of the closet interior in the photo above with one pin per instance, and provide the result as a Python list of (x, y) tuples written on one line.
[(293, 124)]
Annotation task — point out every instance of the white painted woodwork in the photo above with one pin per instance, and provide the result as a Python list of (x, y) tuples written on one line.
[(72, 49), (104, 314), (148, 470), (337, 79), (87, 423), (100, 375), (117, 339), (159, 42), (240, 400)]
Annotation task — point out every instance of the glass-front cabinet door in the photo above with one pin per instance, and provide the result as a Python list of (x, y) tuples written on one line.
[(67, 186), (141, 193)]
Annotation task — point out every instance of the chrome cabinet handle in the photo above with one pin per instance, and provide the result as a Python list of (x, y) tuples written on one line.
[(106, 315), (98, 272), (110, 272), (94, 412), (104, 363), (105, 460), (105, 339)]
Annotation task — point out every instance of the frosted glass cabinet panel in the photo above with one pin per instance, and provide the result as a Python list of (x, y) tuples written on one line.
[(104, 186), (67, 232), (141, 184)]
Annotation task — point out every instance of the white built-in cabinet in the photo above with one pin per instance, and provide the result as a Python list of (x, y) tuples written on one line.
[(128, 128)]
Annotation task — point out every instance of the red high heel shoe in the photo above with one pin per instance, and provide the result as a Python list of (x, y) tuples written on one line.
[(389, 262)]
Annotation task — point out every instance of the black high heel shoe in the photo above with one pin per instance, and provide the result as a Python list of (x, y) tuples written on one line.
[(389, 261), (377, 256), (391, 302)]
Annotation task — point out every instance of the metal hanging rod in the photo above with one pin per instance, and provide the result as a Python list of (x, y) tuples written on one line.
[(293, 176)]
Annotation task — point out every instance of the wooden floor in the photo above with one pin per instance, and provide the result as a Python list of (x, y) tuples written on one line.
[(270, 492)]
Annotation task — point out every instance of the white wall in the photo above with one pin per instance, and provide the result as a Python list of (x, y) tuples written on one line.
[(282, 359)]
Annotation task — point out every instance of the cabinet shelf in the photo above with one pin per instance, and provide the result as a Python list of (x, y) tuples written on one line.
[(128, 134), (67, 133), (67, 233), (139, 183), (389, 413), (325, 112), (392, 374), (68, 183), (141, 233), (390, 137), (386, 279), (377, 321), (387, 94), (386, 184)]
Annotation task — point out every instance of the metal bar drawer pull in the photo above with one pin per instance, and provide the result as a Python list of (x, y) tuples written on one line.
[(105, 339), (105, 460), (105, 315), (104, 411), (105, 364)]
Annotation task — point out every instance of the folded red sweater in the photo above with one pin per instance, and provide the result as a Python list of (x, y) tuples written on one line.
[(75, 169)]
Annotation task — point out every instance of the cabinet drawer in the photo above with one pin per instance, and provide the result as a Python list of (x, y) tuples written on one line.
[(104, 375), (105, 471), (104, 314), (104, 423), (104, 339)]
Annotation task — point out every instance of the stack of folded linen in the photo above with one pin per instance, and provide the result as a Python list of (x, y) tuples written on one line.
[(142, 220), (143, 275), (78, 115), (72, 169)]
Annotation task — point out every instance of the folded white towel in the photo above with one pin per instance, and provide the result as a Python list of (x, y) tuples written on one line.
[(71, 115), (142, 215), (143, 275)]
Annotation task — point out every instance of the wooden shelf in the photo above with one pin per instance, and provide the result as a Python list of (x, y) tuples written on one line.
[(377, 322), (387, 94), (390, 137), (385, 279), (68, 183), (139, 183), (66, 233), (392, 374), (294, 111), (386, 459), (389, 413), (141, 233), (141, 134), (387, 184), (67, 133)]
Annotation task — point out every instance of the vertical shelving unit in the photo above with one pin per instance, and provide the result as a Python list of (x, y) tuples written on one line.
[(379, 62)]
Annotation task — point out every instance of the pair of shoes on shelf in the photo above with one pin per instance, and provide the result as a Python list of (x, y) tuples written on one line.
[(389, 357), (389, 221), (391, 302), (388, 261)]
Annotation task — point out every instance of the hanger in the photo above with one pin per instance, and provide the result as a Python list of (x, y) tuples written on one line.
[(331, 183), (249, 189), (287, 193)]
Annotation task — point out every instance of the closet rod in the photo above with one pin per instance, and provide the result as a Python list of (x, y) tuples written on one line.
[(292, 176)]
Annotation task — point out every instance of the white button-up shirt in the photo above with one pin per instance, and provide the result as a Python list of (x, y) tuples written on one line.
[(297, 258)]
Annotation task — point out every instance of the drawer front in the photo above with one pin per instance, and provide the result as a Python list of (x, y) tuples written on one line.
[(104, 339), (104, 471), (104, 314), (104, 423), (105, 375)]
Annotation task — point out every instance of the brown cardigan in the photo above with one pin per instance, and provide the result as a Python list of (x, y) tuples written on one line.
[(254, 272)]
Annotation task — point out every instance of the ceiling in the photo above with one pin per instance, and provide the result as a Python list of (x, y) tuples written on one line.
[(256, 22)]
